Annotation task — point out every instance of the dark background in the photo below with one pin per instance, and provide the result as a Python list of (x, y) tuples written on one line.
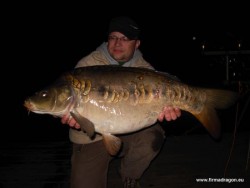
[(40, 41)]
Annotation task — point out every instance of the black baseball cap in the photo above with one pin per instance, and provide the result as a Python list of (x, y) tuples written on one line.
[(126, 26)]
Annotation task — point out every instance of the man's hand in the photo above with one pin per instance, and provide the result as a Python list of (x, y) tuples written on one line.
[(68, 119), (169, 113)]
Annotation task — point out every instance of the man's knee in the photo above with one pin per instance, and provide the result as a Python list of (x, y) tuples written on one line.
[(158, 138), (153, 136)]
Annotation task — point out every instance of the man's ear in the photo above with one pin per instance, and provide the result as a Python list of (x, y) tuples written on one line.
[(138, 42)]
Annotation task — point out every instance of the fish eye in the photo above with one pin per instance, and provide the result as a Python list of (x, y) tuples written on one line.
[(44, 94)]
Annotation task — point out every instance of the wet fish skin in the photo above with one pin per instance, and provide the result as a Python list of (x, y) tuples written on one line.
[(114, 100)]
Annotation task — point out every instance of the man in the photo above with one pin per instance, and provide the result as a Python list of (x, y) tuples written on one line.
[(90, 159)]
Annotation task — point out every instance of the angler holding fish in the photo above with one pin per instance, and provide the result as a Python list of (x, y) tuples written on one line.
[(113, 110), (90, 159)]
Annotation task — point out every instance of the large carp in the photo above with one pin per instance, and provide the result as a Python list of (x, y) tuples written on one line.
[(112, 100)]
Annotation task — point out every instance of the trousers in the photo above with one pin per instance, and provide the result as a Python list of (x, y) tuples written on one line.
[(90, 162)]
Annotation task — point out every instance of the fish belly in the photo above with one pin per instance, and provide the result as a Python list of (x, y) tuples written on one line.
[(120, 117)]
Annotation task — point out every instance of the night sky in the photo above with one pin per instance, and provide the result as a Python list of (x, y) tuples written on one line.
[(42, 41)]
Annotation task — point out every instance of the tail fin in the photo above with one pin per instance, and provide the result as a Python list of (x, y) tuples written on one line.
[(221, 99), (216, 99)]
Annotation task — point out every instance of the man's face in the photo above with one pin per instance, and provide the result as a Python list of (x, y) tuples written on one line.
[(120, 47)]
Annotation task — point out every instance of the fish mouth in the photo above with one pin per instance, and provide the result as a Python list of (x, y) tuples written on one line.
[(28, 105), (32, 108), (58, 113)]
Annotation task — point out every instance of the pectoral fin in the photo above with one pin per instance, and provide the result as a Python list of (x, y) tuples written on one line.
[(112, 143), (85, 124)]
